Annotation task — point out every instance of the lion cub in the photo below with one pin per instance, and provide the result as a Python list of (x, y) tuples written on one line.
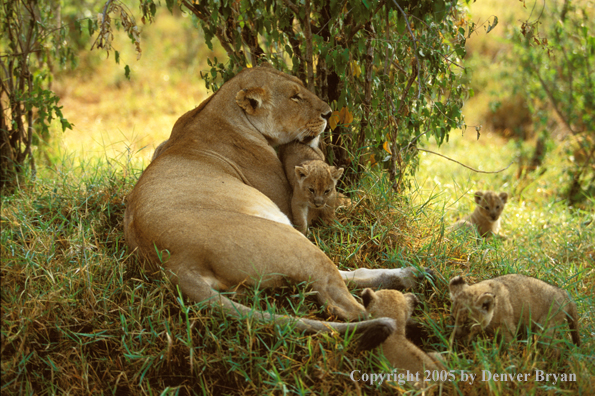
[(401, 352), (486, 216), (313, 181), (509, 302)]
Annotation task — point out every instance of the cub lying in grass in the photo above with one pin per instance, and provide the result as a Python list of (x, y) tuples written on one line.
[(486, 216), (400, 352), (506, 303), (313, 181)]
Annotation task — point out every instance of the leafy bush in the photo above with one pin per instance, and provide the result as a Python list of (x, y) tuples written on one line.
[(556, 55)]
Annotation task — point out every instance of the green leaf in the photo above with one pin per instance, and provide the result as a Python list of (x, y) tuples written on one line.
[(492, 25), (127, 72), (117, 56)]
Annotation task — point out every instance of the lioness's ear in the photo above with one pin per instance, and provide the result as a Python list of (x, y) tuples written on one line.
[(457, 284), (504, 197), (336, 173), (251, 99), (485, 302), (301, 173), (367, 296), (478, 195)]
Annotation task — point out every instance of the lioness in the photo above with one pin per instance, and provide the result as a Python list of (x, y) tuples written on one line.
[(486, 216), (399, 351), (214, 204), (313, 181), (509, 302)]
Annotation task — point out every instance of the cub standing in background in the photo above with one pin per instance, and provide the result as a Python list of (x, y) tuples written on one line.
[(508, 303), (313, 181), (486, 216)]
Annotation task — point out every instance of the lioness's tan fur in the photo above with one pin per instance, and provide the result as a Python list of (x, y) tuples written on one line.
[(486, 216), (508, 302), (400, 352), (313, 181), (213, 207)]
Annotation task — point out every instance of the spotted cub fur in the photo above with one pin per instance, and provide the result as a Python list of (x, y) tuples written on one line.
[(486, 216), (401, 352), (313, 181), (508, 303)]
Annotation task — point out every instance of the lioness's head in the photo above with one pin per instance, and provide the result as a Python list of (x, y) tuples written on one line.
[(317, 181), (390, 303), (472, 307), (490, 204), (279, 106)]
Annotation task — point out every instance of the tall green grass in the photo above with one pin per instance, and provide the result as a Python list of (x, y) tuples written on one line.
[(79, 316)]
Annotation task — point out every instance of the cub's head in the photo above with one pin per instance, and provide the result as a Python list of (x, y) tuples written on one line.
[(279, 106), (386, 303), (317, 181), (472, 307), (391, 304), (490, 204)]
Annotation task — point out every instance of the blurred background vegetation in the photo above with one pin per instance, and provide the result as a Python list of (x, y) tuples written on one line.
[(79, 126)]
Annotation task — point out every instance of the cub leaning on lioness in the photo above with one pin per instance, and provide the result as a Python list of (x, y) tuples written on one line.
[(508, 303), (313, 181), (486, 216), (401, 352)]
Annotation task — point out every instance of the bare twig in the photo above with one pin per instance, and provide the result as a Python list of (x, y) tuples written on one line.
[(394, 148), (292, 7), (414, 44), (468, 167), (309, 49)]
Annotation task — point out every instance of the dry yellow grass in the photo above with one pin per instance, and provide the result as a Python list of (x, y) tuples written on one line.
[(113, 115)]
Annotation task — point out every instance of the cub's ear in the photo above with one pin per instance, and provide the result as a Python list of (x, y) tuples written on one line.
[(478, 196), (412, 302), (485, 302), (457, 285), (250, 99), (301, 172), (367, 296), (503, 196), (336, 173)]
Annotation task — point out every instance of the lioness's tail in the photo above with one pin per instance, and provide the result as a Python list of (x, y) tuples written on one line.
[(197, 289), (572, 317)]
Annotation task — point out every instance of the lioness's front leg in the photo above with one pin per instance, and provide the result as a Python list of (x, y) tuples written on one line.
[(390, 278)]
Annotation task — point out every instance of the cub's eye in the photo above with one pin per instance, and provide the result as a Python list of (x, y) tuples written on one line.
[(311, 190), (497, 206), (487, 207), (327, 191)]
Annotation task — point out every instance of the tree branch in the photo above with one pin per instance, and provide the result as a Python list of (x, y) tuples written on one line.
[(414, 44), (468, 167)]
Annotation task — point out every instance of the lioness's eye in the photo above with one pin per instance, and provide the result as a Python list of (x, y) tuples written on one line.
[(296, 97), (487, 208), (497, 206)]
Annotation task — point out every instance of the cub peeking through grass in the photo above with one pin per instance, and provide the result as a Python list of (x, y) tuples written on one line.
[(400, 352), (313, 181), (486, 216)]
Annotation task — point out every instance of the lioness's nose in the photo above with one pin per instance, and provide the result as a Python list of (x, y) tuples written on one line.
[(327, 116)]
